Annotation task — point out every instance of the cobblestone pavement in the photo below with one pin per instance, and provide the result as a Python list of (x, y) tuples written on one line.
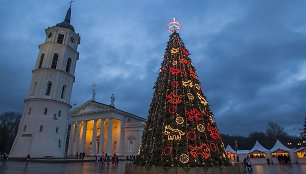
[(92, 168)]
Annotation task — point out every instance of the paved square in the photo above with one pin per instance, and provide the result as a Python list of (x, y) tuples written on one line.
[(92, 168)]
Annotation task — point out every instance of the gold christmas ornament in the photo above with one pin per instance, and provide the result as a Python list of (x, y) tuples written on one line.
[(187, 83), (179, 120), (201, 127), (173, 134), (174, 50), (184, 158), (202, 99), (190, 96), (197, 86), (174, 63)]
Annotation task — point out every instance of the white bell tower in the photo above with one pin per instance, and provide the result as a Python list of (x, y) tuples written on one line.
[(43, 127)]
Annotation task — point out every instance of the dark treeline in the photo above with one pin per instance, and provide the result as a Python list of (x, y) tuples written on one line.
[(267, 138), (9, 122)]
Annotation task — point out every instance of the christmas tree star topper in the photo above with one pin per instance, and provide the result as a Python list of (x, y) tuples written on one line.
[(174, 26)]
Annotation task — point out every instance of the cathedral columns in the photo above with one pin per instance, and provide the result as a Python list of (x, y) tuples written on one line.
[(83, 140), (110, 136), (122, 137), (76, 139), (94, 138), (71, 139), (101, 142)]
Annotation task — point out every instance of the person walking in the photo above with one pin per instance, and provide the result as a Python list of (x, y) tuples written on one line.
[(107, 160), (117, 160), (28, 157), (4, 158), (113, 159)]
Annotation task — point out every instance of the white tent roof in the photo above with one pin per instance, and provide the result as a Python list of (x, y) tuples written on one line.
[(240, 152), (230, 149), (279, 145), (258, 147), (300, 149)]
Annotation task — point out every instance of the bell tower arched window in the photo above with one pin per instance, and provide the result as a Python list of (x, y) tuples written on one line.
[(60, 38), (48, 90), (54, 61), (41, 61), (63, 91), (68, 65)]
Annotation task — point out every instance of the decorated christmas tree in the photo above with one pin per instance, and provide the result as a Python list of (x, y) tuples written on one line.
[(180, 130)]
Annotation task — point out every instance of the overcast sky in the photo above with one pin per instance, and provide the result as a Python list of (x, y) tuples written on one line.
[(250, 56)]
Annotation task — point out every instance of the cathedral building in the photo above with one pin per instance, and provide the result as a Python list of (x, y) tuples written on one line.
[(99, 128), (43, 128)]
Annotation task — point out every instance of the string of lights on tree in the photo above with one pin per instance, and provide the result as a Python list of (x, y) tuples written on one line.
[(180, 130)]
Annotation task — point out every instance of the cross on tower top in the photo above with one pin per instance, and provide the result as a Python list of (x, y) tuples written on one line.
[(93, 98), (70, 3), (113, 100)]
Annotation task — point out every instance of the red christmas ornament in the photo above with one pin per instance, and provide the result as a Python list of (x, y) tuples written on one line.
[(191, 136), (204, 111), (184, 61), (184, 73), (174, 71), (202, 150), (174, 84), (185, 52), (213, 132), (193, 74), (193, 114), (172, 109), (174, 99), (213, 147), (167, 151)]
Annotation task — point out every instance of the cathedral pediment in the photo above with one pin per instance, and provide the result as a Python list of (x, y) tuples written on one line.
[(91, 107)]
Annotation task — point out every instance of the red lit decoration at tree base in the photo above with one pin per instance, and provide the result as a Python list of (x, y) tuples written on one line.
[(202, 150)]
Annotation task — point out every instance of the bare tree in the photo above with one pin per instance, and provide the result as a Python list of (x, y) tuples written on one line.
[(275, 131), (9, 122)]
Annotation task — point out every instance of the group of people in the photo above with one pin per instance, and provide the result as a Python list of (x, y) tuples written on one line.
[(130, 158), (80, 155), (284, 159), (106, 159), (3, 157)]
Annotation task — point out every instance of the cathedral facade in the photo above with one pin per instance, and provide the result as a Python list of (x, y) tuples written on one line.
[(98, 128), (43, 128)]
